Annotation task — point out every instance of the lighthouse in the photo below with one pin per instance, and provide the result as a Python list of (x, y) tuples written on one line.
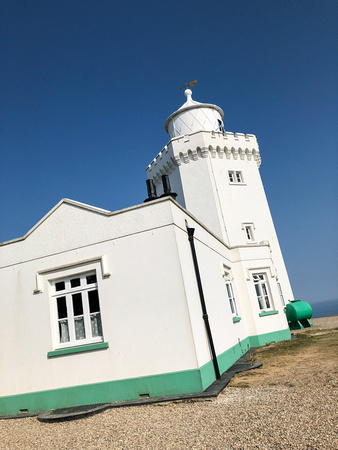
[(157, 299), (215, 174)]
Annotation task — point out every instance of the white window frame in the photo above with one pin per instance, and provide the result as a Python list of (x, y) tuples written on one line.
[(263, 292), (235, 177), (92, 328), (248, 228), (230, 293)]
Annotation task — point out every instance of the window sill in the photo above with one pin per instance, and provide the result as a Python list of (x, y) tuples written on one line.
[(79, 349), (236, 319), (268, 313)]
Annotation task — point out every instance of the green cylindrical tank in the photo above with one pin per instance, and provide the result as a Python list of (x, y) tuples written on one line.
[(298, 314)]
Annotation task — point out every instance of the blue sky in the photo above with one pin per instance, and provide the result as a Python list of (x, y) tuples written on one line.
[(86, 86)]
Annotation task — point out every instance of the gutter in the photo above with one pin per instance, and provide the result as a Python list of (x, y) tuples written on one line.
[(202, 300)]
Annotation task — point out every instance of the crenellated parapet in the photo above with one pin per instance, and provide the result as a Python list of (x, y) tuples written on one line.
[(201, 145), (163, 164)]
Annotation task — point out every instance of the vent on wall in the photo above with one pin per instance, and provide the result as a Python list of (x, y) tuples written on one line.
[(140, 396)]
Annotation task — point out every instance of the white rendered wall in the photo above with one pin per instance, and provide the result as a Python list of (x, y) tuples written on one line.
[(143, 305), (213, 257), (150, 307)]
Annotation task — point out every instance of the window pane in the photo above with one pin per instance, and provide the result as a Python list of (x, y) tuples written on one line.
[(62, 307), (94, 305), (91, 279), (77, 304), (60, 286), (232, 306), (79, 328), (232, 292), (95, 320), (261, 303), (228, 290), (239, 177), (264, 289), (281, 293), (75, 282), (63, 331)]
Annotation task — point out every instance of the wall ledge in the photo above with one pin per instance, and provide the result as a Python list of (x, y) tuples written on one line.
[(268, 313), (78, 349)]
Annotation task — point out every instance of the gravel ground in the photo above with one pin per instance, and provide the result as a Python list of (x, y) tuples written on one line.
[(300, 414), (325, 322)]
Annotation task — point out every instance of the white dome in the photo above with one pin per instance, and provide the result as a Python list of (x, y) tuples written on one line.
[(194, 116)]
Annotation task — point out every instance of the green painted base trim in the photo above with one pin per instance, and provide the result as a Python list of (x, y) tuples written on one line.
[(230, 356), (207, 373), (268, 313), (270, 338), (236, 319), (82, 348), (184, 382), (225, 361), (188, 381)]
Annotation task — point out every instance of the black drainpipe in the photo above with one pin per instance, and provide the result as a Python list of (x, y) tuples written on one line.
[(204, 308)]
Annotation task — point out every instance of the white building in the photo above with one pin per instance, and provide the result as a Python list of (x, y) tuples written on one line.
[(152, 300)]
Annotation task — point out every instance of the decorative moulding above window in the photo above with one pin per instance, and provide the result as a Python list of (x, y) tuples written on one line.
[(227, 272), (39, 275), (268, 269), (248, 224)]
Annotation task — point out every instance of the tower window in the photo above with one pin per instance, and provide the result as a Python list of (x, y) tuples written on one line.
[(235, 177), (248, 229), (262, 291), (248, 232), (281, 294), (230, 293)]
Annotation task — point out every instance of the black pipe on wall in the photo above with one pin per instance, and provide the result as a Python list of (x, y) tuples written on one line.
[(151, 188), (203, 305)]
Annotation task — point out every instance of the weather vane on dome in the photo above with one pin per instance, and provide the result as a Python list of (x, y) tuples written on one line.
[(192, 83)]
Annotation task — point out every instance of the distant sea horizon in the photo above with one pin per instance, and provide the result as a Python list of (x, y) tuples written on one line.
[(324, 308)]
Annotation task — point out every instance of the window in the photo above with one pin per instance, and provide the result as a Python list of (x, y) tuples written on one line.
[(248, 233), (262, 291), (230, 294), (248, 229), (281, 294), (77, 310), (235, 177)]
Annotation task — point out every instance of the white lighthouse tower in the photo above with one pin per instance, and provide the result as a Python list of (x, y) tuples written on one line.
[(215, 174)]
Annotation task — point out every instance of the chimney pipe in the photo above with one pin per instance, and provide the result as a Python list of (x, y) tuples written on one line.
[(166, 185), (151, 188)]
